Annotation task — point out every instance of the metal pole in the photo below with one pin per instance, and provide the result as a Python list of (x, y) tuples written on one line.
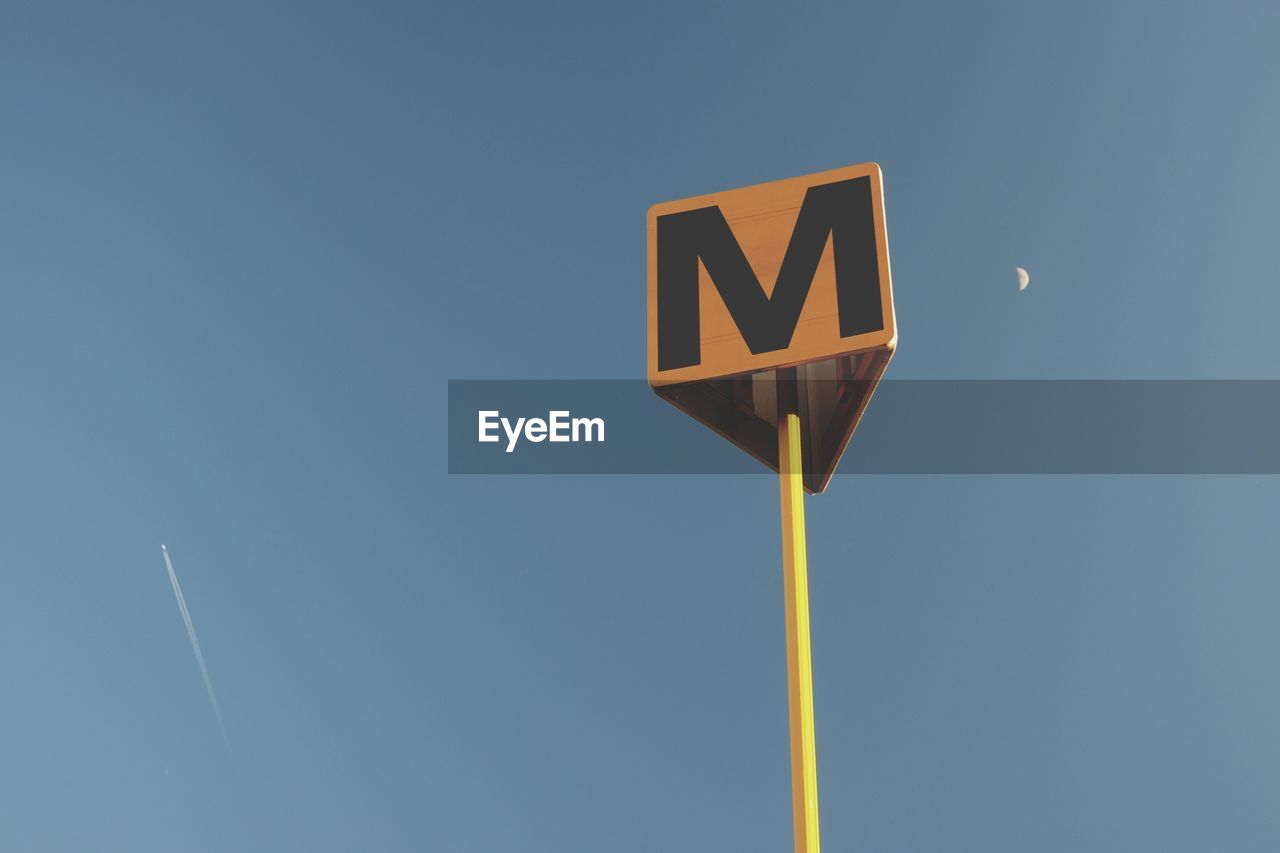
[(804, 763)]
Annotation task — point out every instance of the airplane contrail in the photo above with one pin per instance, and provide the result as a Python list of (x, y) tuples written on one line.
[(195, 644)]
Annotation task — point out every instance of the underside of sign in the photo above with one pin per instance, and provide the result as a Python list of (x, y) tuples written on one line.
[(774, 293), (830, 399)]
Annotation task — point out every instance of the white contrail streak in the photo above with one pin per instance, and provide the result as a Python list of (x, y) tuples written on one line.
[(195, 644)]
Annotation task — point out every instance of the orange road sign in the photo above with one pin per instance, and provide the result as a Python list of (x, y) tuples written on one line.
[(787, 274)]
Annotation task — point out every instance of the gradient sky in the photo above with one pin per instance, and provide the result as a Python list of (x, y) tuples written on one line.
[(243, 248)]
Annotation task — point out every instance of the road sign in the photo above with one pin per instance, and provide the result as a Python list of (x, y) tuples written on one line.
[(771, 321), (787, 280)]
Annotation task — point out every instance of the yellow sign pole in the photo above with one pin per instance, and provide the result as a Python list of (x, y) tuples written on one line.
[(804, 760)]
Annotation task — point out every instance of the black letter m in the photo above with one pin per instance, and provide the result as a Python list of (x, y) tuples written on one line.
[(841, 211)]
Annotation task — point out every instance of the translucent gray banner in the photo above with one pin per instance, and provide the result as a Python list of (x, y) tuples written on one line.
[(910, 427)]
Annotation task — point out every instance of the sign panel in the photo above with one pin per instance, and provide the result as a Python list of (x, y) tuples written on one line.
[(773, 275), (787, 274)]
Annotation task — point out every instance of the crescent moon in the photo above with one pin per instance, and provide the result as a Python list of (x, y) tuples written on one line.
[(1023, 278)]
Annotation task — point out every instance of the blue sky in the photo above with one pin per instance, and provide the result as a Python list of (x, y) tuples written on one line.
[(242, 250)]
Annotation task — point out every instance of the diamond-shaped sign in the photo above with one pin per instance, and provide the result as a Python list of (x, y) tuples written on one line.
[(776, 289)]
